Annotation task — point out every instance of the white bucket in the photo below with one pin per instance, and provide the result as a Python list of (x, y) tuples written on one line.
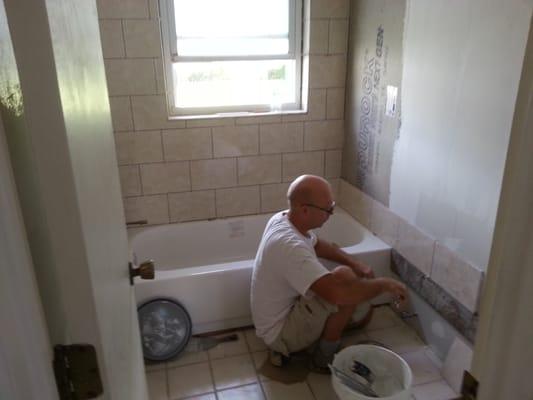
[(393, 376)]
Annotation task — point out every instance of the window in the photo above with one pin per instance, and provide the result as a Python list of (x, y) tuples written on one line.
[(232, 56)]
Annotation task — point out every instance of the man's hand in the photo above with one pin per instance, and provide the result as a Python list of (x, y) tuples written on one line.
[(363, 270)]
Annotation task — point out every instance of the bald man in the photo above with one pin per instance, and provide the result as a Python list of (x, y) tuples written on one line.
[(295, 300)]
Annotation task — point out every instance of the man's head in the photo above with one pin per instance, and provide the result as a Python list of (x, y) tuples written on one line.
[(310, 201)]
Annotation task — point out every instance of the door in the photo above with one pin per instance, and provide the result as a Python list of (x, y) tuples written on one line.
[(58, 129)]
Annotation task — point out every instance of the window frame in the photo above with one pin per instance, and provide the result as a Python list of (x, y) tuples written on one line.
[(170, 56)]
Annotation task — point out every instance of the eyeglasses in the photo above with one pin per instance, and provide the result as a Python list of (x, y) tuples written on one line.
[(326, 210)]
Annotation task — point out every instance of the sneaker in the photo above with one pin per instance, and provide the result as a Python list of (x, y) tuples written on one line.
[(277, 359), (319, 362)]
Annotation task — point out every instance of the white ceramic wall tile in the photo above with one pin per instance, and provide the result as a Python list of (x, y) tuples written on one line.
[(122, 8), (323, 135), (254, 343), (316, 108), (130, 76), (229, 349), (190, 380), (335, 103), (130, 182), (191, 206), (165, 177), (338, 36), (416, 247), (187, 144), (260, 119), (333, 163), (458, 360), (318, 43), (434, 391), (423, 369), (210, 122), (274, 197), (237, 201), (150, 112), (159, 76), (259, 169), (335, 184), (296, 164), (121, 113), (153, 6), (327, 71), (248, 392), (330, 8), (279, 391), (456, 276), (112, 38), (400, 339), (142, 38), (233, 371), (236, 140), (358, 204), (157, 385), (321, 387), (138, 147), (154, 209), (281, 138), (212, 174), (384, 223)]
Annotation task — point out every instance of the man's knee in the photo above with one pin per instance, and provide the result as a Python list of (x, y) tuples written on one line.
[(343, 272)]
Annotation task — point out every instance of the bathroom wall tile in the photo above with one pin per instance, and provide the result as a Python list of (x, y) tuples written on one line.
[(112, 38), (296, 164), (154, 209), (138, 147), (165, 177), (259, 169), (121, 113), (280, 391), (248, 392), (321, 386), (323, 135), (458, 360), (191, 206), (153, 6), (385, 224), (142, 38), (229, 349), (327, 71), (338, 36), (150, 112), (456, 276), (416, 247), (190, 380), (212, 174), (318, 43), (261, 119), (335, 184), (423, 369), (281, 138), (157, 385), (274, 197), (316, 108), (122, 8), (254, 343), (355, 202), (237, 201), (160, 87), (335, 103), (236, 140), (130, 76), (210, 122), (333, 163), (438, 390), (187, 144), (233, 371), (330, 9), (130, 180)]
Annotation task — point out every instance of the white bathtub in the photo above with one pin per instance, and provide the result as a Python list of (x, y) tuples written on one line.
[(207, 265)]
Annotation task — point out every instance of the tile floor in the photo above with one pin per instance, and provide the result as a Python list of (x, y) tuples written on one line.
[(230, 370)]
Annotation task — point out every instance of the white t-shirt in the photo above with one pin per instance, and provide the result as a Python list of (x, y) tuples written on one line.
[(285, 267)]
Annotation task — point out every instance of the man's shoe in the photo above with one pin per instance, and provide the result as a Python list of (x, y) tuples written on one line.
[(277, 359), (319, 362)]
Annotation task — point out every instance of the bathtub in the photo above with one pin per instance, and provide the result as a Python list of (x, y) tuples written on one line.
[(207, 265)]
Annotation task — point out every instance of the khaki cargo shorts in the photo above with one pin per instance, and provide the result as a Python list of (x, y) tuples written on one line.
[(304, 325)]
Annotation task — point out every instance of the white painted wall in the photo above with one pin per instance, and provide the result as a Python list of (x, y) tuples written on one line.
[(462, 64)]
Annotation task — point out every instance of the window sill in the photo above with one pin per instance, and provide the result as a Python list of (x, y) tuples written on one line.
[(242, 114)]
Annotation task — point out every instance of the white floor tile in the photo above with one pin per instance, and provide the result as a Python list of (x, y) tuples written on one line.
[(424, 371), (190, 380), (209, 396), (382, 318), (400, 339), (439, 390), (229, 349), (248, 392), (280, 391), (321, 386), (157, 385), (255, 343), (353, 338), (154, 366), (188, 358), (259, 359), (233, 371)]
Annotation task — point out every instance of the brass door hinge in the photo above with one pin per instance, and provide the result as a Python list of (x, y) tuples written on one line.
[(76, 372)]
